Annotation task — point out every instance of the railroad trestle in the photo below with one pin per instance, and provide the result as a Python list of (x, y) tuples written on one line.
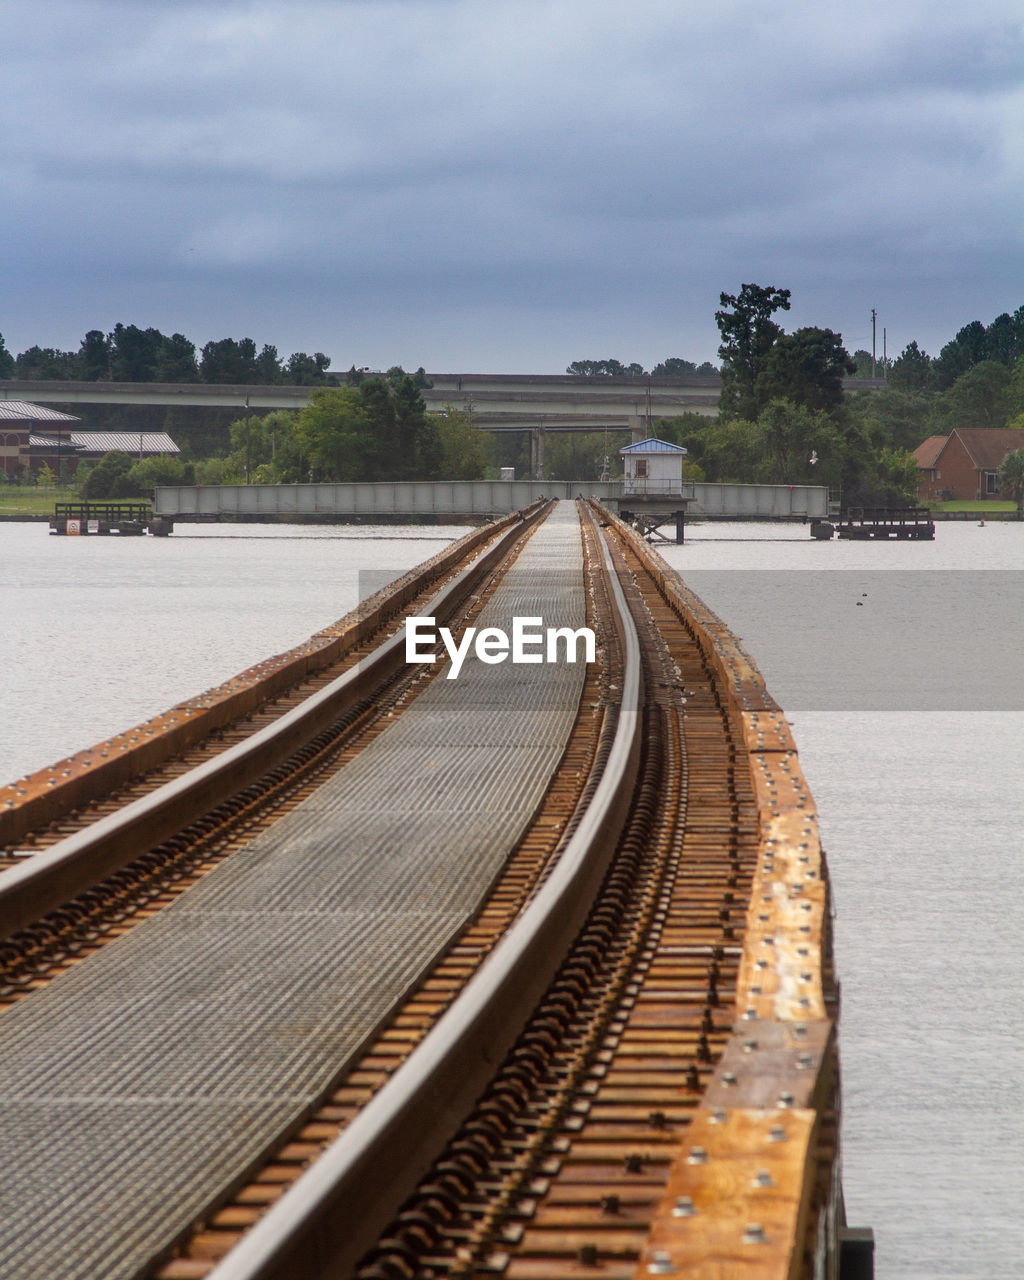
[(614, 1050)]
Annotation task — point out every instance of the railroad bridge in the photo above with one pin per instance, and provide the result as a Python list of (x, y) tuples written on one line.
[(349, 968)]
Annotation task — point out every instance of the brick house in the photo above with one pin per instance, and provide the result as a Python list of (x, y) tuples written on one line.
[(965, 464)]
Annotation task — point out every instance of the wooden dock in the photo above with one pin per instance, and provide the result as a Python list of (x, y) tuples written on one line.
[(79, 519), (904, 523)]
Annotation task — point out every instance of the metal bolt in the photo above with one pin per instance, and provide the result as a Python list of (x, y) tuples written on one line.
[(749, 1046), (763, 1179), (755, 1234), (660, 1263), (684, 1208), (777, 1133), (785, 1099), (697, 1156), (728, 1077)]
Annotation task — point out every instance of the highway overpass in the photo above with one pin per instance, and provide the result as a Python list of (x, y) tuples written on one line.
[(498, 402)]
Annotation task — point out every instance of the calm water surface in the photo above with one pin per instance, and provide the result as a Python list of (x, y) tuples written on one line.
[(97, 634), (901, 669)]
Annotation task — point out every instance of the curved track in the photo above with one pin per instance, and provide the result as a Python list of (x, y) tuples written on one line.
[(542, 1102)]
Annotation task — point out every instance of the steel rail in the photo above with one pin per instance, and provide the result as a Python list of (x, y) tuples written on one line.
[(58, 874), (329, 1217)]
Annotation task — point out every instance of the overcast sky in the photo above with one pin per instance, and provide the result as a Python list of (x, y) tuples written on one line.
[(507, 185)]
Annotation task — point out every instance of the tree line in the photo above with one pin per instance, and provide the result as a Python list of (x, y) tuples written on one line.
[(784, 416), (674, 366), (377, 429), (131, 354)]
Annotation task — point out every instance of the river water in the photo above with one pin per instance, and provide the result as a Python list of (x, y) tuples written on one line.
[(901, 669)]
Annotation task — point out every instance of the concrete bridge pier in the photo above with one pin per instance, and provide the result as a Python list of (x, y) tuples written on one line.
[(638, 424), (537, 453)]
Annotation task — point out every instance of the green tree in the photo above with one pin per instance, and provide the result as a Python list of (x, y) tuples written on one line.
[(331, 438), (308, 371), (1011, 479), (94, 357), (727, 450), (980, 397), (6, 360), (135, 353), (256, 442), (107, 478), (1004, 337), (573, 455), (898, 477), (268, 369), (147, 473), (864, 366), (229, 361), (674, 366), (900, 419), (807, 368), (748, 335), (176, 360), (605, 369), (464, 448), (968, 348), (911, 370), (46, 363)]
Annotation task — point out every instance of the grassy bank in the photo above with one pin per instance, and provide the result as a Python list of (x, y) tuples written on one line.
[(32, 500), (976, 505)]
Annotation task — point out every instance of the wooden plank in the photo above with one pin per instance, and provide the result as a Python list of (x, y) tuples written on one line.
[(734, 1201)]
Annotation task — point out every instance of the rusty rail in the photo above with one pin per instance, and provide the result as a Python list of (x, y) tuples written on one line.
[(43, 883), (47, 794), (756, 1184)]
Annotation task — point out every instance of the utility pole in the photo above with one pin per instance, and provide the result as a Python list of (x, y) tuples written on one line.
[(873, 315)]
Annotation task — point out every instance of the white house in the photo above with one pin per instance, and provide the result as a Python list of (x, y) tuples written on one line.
[(653, 467)]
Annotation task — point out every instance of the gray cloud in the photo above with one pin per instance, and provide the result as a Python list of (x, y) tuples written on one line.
[(468, 185)]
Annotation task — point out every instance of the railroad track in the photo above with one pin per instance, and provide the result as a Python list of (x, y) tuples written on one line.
[(631, 1067), (105, 889)]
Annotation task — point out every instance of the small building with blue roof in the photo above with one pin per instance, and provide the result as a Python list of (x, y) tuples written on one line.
[(653, 467)]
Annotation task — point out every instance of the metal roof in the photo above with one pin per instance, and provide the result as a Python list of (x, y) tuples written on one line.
[(653, 445), (42, 444), (100, 442), (126, 441), (22, 411)]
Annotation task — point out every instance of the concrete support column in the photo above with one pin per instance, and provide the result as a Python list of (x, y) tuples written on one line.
[(537, 453), (637, 427)]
